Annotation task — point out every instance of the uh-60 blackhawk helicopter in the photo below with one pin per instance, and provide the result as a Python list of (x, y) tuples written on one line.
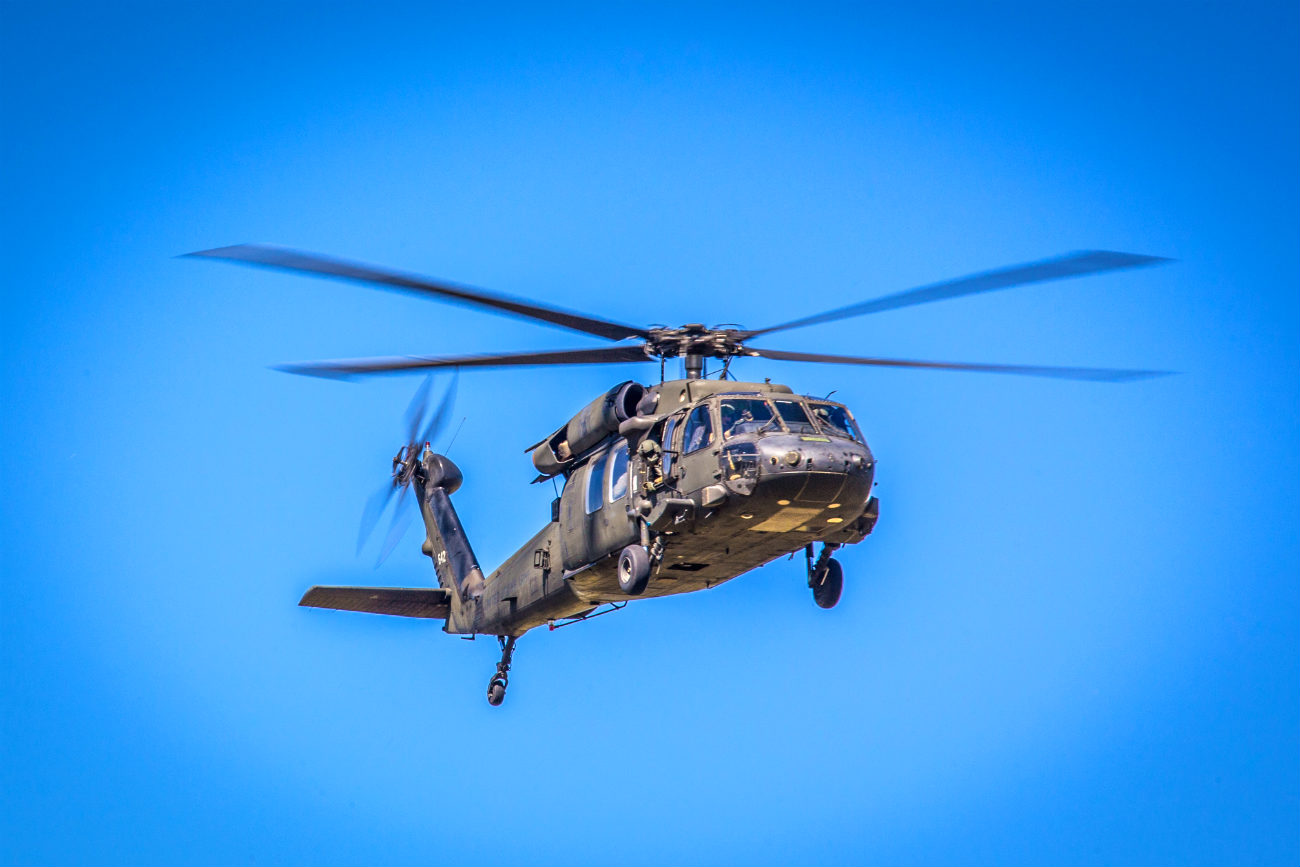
[(668, 488)]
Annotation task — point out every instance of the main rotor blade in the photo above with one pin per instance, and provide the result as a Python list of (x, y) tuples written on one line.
[(268, 256), (348, 368), (1089, 374), (1070, 265)]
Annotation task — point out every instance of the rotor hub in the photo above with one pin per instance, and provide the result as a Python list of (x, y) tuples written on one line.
[(695, 339)]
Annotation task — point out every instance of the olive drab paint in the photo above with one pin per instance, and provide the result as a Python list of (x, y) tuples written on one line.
[(706, 520)]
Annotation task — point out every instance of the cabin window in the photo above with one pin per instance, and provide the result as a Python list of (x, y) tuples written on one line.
[(699, 430), (595, 476), (746, 415), (618, 473), (668, 444), (792, 413), (836, 421)]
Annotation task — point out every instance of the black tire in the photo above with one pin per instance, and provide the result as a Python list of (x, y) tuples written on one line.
[(633, 569), (827, 586), (496, 693)]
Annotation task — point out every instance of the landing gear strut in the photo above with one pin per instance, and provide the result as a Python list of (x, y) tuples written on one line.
[(825, 577), (497, 685)]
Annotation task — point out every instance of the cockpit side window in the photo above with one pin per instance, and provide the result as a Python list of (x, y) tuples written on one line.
[(836, 421), (595, 479), (699, 430), (745, 415), (618, 473)]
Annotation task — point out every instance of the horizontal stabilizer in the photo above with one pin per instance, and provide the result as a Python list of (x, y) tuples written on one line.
[(400, 601)]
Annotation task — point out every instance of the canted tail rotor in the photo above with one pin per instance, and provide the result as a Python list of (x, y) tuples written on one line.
[(422, 427)]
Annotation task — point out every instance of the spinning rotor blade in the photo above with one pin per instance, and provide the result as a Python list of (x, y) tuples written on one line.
[(416, 409), (1090, 374), (415, 413), (348, 368), (444, 406), (379, 501), (374, 509), (284, 259), (1070, 265), (396, 530)]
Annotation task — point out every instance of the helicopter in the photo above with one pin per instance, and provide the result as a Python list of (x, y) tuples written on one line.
[(669, 487)]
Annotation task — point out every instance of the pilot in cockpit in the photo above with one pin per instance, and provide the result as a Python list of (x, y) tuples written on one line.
[(734, 421), (728, 419)]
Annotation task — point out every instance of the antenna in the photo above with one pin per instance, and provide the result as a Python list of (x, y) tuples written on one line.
[(453, 436)]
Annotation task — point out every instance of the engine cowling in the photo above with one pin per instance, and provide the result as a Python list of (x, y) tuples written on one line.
[(592, 424)]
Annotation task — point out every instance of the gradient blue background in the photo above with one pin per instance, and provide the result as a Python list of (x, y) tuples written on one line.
[(1072, 639)]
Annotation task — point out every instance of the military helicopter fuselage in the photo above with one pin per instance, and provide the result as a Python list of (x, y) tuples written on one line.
[(668, 488), (711, 478)]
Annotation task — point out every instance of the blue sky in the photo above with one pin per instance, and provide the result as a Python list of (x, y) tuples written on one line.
[(1072, 639)]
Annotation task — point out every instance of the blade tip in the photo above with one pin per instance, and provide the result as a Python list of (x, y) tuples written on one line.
[(1120, 259), (310, 370), (213, 252), (253, 253), (1120, 376), (1139, 375)]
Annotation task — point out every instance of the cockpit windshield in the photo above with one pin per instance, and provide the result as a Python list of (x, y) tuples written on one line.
[(836, 421), (746, 415), (792, 413)]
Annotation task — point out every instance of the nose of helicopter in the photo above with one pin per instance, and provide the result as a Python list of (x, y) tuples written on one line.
[(800, 473)]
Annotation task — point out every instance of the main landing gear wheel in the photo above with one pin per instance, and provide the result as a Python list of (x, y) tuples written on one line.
[(827, 583), (496, 692), (633, 569)]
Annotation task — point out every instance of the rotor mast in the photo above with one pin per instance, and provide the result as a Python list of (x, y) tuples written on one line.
[(693, 342)]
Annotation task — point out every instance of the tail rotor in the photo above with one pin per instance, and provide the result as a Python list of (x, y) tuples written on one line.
[(420, 433)]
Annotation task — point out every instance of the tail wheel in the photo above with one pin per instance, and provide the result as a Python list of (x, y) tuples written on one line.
[(828, 584), (633, 569)]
